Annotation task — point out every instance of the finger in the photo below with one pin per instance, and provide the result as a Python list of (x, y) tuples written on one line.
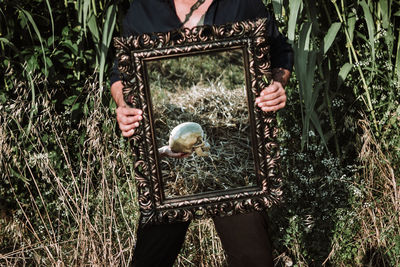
[(128, 133), (274, 108), (270, 89), (273, 102), (129, 119), (270, 92), (128, 111), (128, 127), (270, 96)]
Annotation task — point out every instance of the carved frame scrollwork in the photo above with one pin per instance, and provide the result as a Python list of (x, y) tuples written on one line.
[(131, 53)]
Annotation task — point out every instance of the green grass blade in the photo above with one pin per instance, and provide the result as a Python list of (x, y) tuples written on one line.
[(351, 25), (32, 22), (303, 52), (316, 122), (385, 13), (300, 60), (94, 30), (51, 18), (107, 33), (331, 35), (295, 8), (397, 64), (33, 108), (344, 71), (305, 60), (310, 93), (371, 27), (85, 13), (94, 7), (277, 5)]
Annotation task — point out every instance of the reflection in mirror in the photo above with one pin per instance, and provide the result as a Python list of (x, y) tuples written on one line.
[(201, 122)]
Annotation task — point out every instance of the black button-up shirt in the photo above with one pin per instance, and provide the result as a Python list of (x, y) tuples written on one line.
[(146, 16)]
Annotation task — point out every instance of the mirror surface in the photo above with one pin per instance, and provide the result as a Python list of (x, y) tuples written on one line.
[(208, 89)]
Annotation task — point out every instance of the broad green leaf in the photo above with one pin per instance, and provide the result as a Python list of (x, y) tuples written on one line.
[(72, 46), (50, 41), (295, 7), (65, 31), (277, 5), (331, 35), (371, 27), (305, 36), (85, 14), (385, 13), (32, 64), (344, 71), (75, 106), (351, 22), (70, 100), (310, 92), (311, 64), (316, 122), (94, 29)]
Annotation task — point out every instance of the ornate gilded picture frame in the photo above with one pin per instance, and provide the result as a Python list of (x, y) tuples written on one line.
[(197, 89)]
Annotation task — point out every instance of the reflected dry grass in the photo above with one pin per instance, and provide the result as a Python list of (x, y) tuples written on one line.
[(223, 115)]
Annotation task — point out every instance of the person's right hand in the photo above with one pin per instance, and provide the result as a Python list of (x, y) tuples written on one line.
[(128, 119)]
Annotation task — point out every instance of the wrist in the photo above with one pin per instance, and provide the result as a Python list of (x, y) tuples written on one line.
[(117, 94), (281, 75)]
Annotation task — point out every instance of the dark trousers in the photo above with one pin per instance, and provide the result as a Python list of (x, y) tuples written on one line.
[(244, 238)]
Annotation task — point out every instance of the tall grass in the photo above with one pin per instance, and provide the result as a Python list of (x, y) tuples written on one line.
[(346, 63), (73, 200), (372, 236), (320, 33)]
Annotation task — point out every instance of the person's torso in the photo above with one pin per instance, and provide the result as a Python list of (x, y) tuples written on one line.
[(146, 16)]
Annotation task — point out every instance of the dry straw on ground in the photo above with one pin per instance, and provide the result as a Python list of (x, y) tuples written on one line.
[(223, 115), (380, 211)]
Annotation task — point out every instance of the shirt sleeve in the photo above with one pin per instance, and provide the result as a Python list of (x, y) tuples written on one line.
[(114, 75), (144, 16), (127, 30), (281, 51)]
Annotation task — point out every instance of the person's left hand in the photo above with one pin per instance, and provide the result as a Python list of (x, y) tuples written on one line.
[(272, 98)]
